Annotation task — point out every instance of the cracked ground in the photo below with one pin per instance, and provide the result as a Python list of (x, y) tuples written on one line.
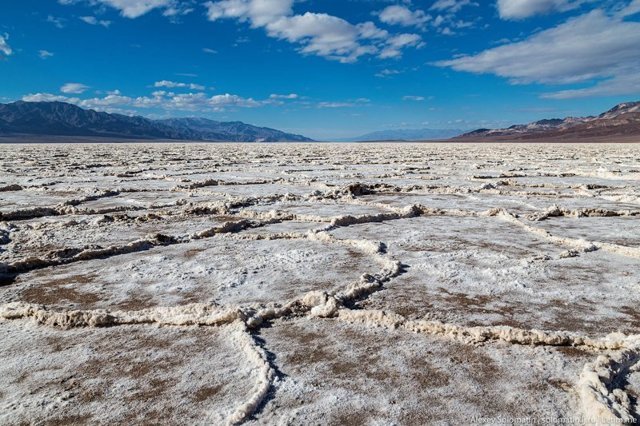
[(319, 284)]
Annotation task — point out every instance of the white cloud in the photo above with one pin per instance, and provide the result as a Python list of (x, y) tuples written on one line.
[(387, 73), (176, 9), (47, 97), (210, 51), (620, 85), (396, 43), (74, 88), (172, 85), (335, 104), (453, 6), (112, 100), (413, 98), (199, 103), (401, 15), (588, 47), (443, 21), (5, 49), (116, 101), (92, 20), (520, 9), (369, 31), (57, 22), (172, 101), (232, 100), (277, 99), (135, 8), (631, 9), (343, 104), (318, 33), (289, 96), (44, 54), (259, 13)]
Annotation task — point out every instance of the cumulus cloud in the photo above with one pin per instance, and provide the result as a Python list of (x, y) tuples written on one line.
[(116, 101), (192, 101), (444, 19), (176, 9), (5, 49), (74, 88), (594, 46), (258, 12), (321, 34), (46, 97), (173, 84), (92, 20), (395, 44), (277, 99), (197, 103), (453, 6), (520, 9), (135, 8), (318, 33), (369, 31), (401, 15)]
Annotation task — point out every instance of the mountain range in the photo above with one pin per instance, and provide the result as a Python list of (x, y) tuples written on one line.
[(64, 119), (407, 135), (59, 119), (620, 121)]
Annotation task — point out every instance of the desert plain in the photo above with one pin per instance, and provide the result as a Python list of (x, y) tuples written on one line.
[(374, 284)]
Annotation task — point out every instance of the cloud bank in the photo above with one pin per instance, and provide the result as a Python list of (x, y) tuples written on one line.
[(520, 9), (592, 47), (318, 34)]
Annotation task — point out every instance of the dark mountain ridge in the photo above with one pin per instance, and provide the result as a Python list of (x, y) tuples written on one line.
[(621, 120), (64, 119)]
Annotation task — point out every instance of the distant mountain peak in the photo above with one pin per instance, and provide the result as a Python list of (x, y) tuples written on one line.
[(408, 135), (623, 108), (65, 119)]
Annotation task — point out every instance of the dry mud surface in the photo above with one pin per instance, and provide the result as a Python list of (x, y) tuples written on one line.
[(319, 284)]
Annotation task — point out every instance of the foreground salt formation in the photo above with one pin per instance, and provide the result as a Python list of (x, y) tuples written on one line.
[(319, 284)]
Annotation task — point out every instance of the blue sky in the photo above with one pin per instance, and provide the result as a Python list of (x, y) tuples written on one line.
[(326, 68)]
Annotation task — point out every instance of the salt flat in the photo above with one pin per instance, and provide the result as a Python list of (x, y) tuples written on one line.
[(319, 283)]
